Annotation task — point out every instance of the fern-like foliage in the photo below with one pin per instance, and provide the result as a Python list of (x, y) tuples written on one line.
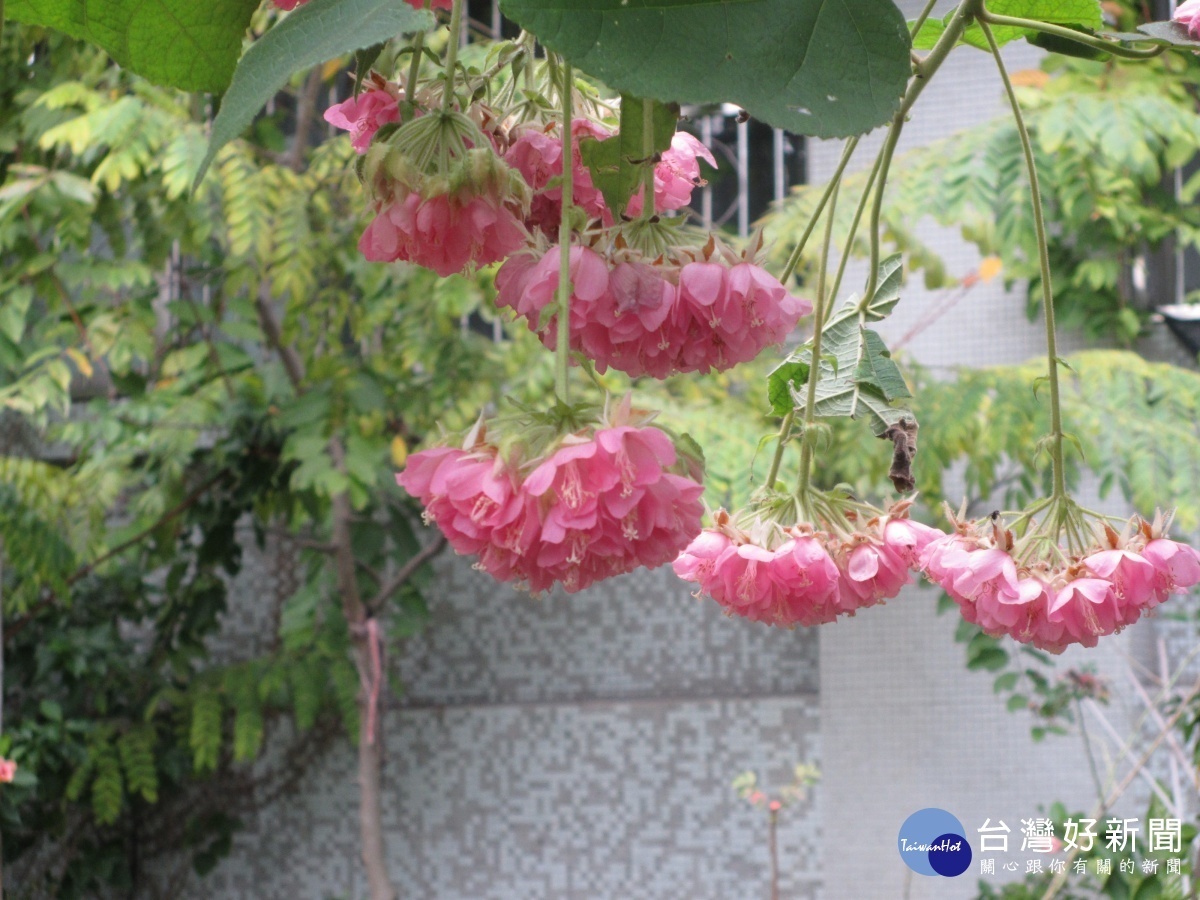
[(1104, 138), (1137, 421)]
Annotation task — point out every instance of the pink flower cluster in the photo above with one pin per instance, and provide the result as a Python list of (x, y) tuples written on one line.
[(654, 320), (797, 576), (362, 115), (8, 770), (537, 154), (597, 506), (1188, 15), (1053, 607), (448, 233)]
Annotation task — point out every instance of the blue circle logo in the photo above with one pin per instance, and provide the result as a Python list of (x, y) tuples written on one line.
[(933, 842)]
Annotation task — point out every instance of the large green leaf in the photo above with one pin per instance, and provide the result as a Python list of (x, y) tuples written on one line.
[(315, 32), (180, 43), (618, 164), (829, 68), (1081, 13), (857, 376)]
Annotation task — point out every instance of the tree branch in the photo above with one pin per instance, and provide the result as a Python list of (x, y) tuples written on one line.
[(422, 556), (370, 757), (187, 502), (292, 364), (305, 107)]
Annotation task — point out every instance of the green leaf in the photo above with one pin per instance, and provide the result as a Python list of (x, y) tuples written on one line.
[(1150, 889), (1006, 682), (315, 32), (1169, 33), (619, 163), (787, 376), (1084, 14), (828, 69), (179, 43), (878, 370), (858, 377), (1016, 703), (363, 60)]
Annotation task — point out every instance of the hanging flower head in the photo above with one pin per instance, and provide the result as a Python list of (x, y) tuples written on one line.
[(539, 505), (688, 309), (1040, 593), (759, 567), (443, 198)]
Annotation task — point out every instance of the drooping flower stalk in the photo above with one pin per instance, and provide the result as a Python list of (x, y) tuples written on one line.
[(456, 13), (820, 315), (793, 261), (648, 210), (924, 72), (1059, 492), (563, 345)]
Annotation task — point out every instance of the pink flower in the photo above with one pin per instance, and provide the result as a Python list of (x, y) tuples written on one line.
[(537, 154), (775, 806), (1177, 566), (1132, 577), (1188, 15), (676, 176), (1087, 608), (362, 115), (870, 572), (292, 4), (8, 770), (448, 234), (908, 539)]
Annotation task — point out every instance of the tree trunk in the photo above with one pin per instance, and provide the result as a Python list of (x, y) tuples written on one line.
[(370, 817)]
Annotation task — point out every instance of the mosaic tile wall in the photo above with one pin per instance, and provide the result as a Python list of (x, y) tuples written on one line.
[(568, 747), (594, 800), (642, 636)]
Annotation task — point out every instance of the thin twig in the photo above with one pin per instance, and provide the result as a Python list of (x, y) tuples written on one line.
[(422, 556)]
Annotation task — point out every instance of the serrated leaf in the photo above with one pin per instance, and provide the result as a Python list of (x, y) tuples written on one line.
[(179, 43), (1071, 13), (809, 66), (887, 288), (879, 370), (315, 32), (619, 163)]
